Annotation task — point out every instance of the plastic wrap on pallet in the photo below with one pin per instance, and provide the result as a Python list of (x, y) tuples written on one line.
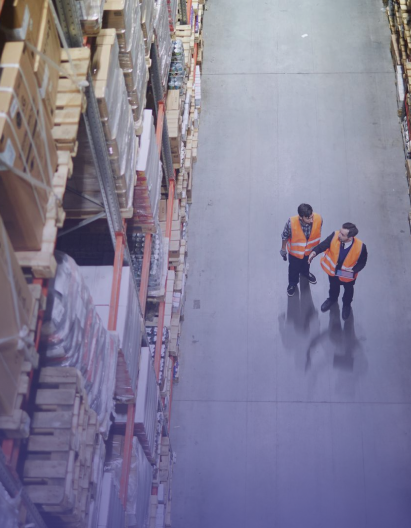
[(129, 320), (111, 510), (136, 246), (146, 405), (147, 22), (177, 66), (119, 16), (151, 332), (73, 335), (163, 39), (172, 13), (140, 480), (133, 64), (149, 176), (91, 16), (9, 513)]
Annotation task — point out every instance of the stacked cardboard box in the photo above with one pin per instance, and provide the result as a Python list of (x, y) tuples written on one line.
[(149, 176), (160, 503)]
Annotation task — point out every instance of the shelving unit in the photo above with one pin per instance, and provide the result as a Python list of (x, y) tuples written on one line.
[(108, 212)]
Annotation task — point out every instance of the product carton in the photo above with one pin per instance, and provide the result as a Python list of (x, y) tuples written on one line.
[(16, 308), (48, 76), (20, 20), (26, 145)]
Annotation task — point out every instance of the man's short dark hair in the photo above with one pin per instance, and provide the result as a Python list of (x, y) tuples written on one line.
[(305, 210), (352, 229)]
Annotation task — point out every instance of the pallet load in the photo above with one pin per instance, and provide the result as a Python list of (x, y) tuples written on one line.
[(111, 510), (141, 475), (160, 504), (127, 24), (91, 16), (129, 323), (17, 353), (149, 176), (163, 40), (65, 452), (73, 335), (147, 23)]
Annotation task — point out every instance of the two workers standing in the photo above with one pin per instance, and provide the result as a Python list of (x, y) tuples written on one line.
[(344, 255)]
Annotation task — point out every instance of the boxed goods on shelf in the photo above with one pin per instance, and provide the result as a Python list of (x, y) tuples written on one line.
[(20, 20), (111, 510), (141, 474), (158, 260), (149, 176), (48, 44), (147, 22), (116, 115), (177, 66), (73, 335), (65, 452), (27, 151), (163, 40), (129, 320), (91, 16), (174, 122), (127, 24), (16, 308)]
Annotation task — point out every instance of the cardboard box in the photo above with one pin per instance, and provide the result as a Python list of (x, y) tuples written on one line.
[(48, 77), (20, 20), (16, 308), (24, 145)]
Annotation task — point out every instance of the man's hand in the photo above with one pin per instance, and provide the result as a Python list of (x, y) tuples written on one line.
[(311, 256), (283, 253)]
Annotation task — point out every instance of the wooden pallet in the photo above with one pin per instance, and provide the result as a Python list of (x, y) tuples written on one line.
[(71, 101), (43, 263), (60, 470)]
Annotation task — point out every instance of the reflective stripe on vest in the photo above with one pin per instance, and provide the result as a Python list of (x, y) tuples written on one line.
[(298, 245), (329, 260)]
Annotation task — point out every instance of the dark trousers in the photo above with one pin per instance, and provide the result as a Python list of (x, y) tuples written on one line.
[(334, 292), (295, 268)]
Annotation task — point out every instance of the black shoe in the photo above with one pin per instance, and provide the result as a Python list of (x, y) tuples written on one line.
[(346, 311), (311, 278), (291, 290), (326, 305)]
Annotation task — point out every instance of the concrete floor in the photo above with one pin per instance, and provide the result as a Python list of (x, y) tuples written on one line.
[(286, 417)]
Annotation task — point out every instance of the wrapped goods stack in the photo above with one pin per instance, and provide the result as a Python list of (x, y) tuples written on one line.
[(73, 335), (163, 40), (158, 259), (129, 321), (91, 16), (149, 176), (127, 24), (147, 23), (141, 475), (65, 452)]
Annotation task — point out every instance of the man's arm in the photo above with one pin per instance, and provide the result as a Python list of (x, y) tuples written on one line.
[(286, 234), (324, 245), (362, 260)]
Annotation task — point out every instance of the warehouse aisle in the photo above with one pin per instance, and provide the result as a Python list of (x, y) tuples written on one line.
[(286, 417)]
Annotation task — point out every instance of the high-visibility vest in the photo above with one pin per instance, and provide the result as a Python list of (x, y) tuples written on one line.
[(329, 260), (298, 245)]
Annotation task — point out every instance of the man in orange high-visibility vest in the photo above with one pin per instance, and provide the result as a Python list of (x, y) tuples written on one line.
[(300, 235), (345, 256)]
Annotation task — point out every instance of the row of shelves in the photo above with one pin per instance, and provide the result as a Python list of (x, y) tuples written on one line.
[(64, 473)]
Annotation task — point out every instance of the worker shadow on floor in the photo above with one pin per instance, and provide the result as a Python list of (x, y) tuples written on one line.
[(339, 340), (301, 320)]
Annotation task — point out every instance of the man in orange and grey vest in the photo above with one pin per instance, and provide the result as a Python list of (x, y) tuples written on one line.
[(345, 256), (301, 233)]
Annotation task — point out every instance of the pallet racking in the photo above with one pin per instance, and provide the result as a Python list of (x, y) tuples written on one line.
[(70, 29)]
